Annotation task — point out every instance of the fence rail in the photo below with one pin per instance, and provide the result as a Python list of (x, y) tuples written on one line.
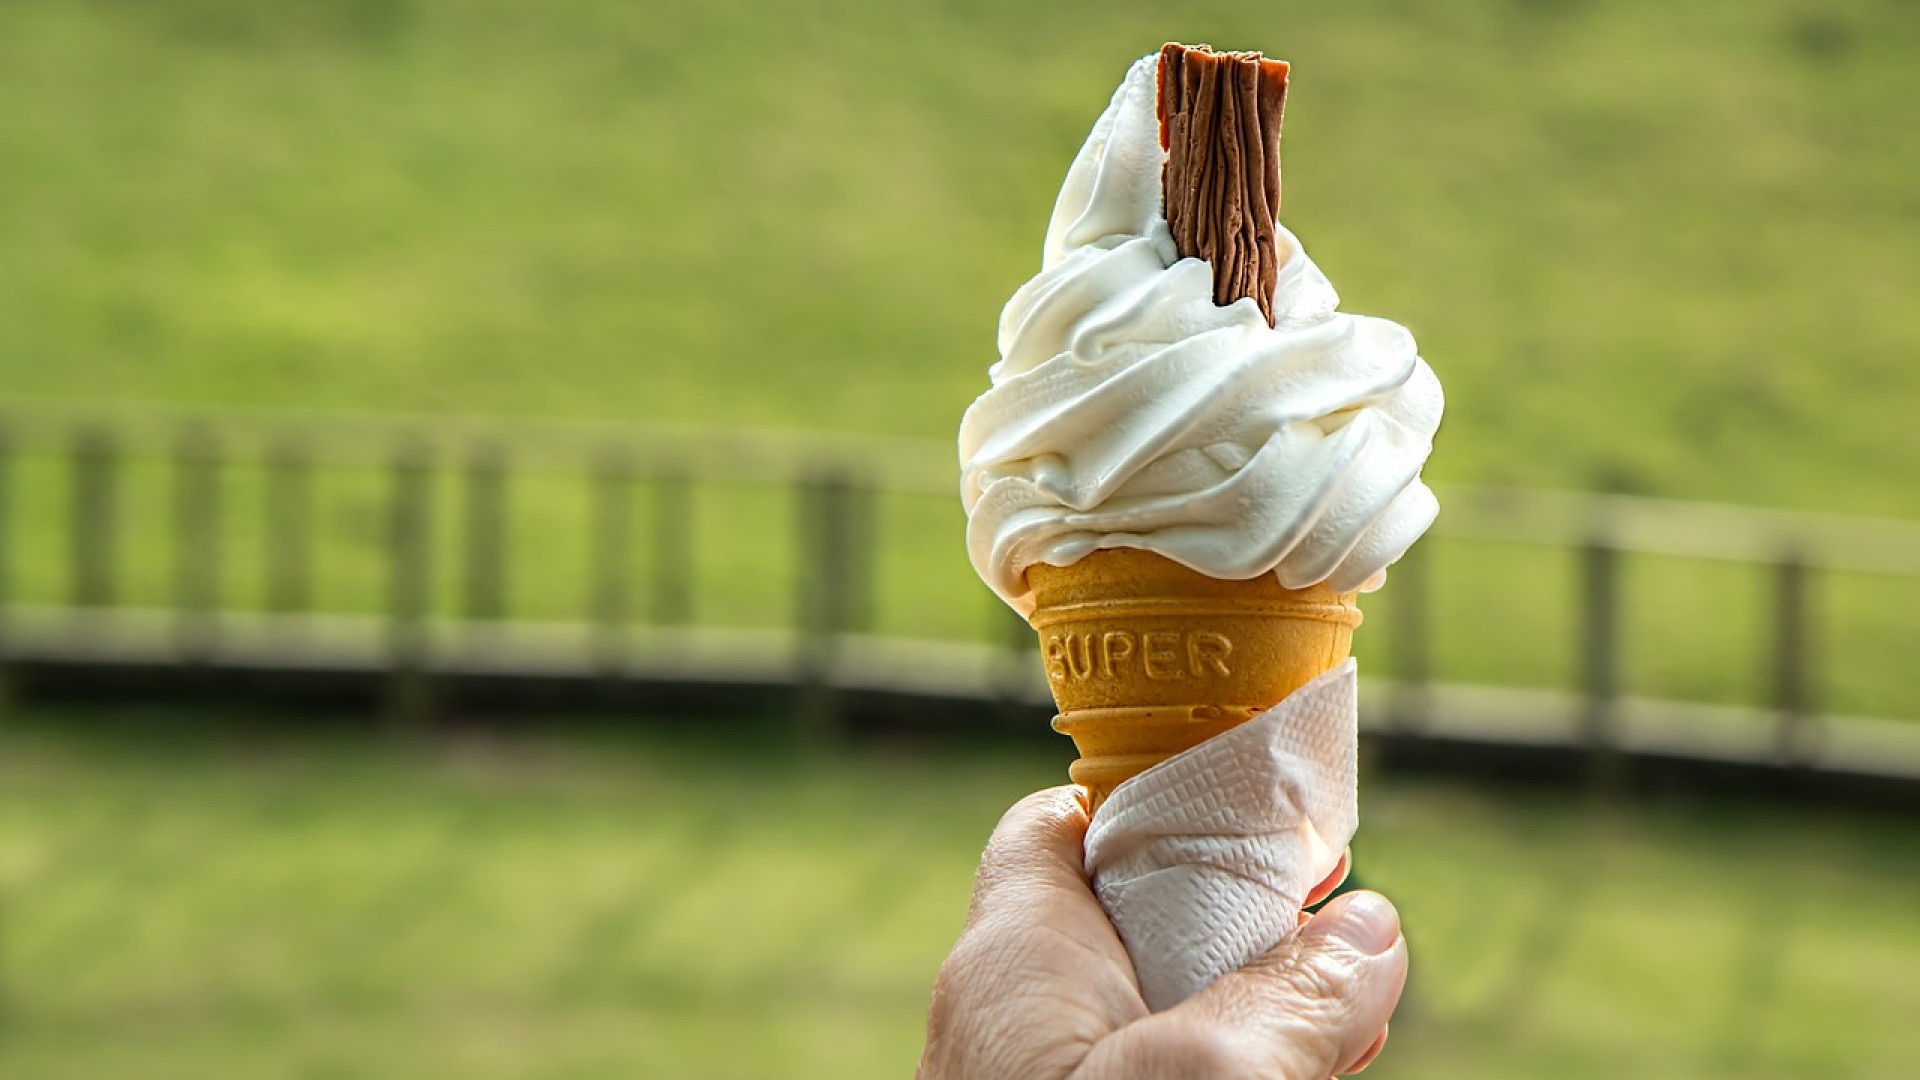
[(440, 508)]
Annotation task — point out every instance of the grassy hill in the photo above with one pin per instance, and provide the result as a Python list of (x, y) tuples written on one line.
[(1658, 247), (182, 903), (1650, 247)]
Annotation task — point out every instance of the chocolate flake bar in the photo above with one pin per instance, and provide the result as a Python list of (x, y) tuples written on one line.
[(1220, 126)]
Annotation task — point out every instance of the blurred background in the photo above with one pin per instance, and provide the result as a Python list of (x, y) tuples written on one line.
[(482, 589)]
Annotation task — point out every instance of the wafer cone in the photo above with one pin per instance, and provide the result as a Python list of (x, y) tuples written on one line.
[(1147, 658)]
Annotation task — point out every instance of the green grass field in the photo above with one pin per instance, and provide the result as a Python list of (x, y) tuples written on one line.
[(1654, 248), (1665, 248), (188, 898), (1649, 247)]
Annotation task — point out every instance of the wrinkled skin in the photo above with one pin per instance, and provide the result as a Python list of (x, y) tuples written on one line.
[(1039, 986)]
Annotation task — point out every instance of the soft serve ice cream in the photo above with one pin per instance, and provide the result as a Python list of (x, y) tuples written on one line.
[(1129, 411), (1182, 496)]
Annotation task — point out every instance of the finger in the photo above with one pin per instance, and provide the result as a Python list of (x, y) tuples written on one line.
[(1033, 882), (1038, 964), (1312, 1005), (1325, 888), (1372, 1052), (1360, 931), (1038, 845)]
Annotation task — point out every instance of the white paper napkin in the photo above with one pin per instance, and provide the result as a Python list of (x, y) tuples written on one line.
[(1203, 861)]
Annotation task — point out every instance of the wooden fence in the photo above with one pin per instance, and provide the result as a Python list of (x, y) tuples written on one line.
[(132, 554)]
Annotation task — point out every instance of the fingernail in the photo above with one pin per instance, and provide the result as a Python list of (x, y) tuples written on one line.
[(1363, 920)]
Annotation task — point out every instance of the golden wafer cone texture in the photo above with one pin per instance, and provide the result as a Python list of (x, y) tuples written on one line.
[(1147, 658)]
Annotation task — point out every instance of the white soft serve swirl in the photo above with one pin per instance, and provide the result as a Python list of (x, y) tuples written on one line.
[(1128, 411)]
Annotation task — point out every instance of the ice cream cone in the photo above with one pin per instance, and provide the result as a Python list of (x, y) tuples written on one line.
[(1147, 658)]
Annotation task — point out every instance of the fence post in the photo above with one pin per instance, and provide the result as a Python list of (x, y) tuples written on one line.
[(1796, 738), (6, 580), (610, 559), (672, 546), (485, 549), (860, 539), (1412, 640), (289, 527), (196, 548), (91, 525), (829, 577), (409, 522), (1600, 652)]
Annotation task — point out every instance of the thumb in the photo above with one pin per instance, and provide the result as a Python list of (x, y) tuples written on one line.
[(1311, 1007)]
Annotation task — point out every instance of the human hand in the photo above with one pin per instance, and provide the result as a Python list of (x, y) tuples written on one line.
[(1040, 986)]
